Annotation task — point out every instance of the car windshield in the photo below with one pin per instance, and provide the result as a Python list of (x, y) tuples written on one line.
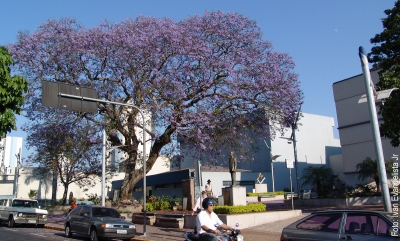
[(105, 212), (26, 204)]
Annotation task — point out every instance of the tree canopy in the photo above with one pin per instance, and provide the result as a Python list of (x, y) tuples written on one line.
[(69, 151), (12, 89), (385, 56), (203, 78), (319, 177), (369, 169)]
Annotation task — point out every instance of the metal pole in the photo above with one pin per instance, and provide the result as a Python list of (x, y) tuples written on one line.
[(144, 174), (375, 131), (272, 171), (144, 144), (103, 169), (295, 160), (291, 187)]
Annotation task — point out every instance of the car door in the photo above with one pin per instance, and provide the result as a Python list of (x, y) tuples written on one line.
[(366, 227), (325, 226), (84, 220), (74, 219), (2, 207)]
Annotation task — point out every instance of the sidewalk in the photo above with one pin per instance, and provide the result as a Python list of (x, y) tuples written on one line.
[(258, 233)]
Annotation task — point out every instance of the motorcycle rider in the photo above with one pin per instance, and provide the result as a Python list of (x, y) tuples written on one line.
[(206, 221)]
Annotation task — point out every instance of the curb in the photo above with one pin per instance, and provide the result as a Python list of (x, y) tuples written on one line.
[(54, 227)]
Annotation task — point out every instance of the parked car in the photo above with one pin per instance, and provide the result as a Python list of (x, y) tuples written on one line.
[(98, 222), (22, 211), (343, 225)]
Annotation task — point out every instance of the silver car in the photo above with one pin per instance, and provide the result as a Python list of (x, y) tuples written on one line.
[(343, 225), (98, 222)]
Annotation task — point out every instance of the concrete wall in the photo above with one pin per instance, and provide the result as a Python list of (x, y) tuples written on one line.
[(355, 129), (315, 143)]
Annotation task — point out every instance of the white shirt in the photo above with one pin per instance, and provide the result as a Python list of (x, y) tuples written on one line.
[(203, 219)]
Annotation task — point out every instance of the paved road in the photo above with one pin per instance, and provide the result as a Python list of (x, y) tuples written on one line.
[(265, 232)]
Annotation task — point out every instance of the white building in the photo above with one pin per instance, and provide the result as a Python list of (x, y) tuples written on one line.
[(355, 129), (316, 145)]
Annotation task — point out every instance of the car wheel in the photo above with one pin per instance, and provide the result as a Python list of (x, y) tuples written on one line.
[(93, 235), (68, 232), (11, 222)]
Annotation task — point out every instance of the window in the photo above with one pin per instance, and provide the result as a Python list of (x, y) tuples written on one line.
[(2, 202), (76, 211), (368, 224), (322, 222), (105, 212), (161, 187), (85, 212), (238, 183)]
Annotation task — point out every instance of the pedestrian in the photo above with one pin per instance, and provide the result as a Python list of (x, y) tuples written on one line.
[(209, 188), (198, 207)]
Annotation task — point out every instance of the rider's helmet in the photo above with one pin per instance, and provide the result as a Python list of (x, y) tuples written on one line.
[(207, 201)]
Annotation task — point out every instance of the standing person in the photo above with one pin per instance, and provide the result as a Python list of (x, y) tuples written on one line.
[(197, 207), (209, 188), (206, 221)]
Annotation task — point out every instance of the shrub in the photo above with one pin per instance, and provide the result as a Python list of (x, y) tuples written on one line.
[(250, 208), (94, 198)]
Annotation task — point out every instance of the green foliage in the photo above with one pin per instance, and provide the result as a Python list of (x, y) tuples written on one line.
[(12, 91), (255, 194), (385, 56), (161, 202), (94, 198), (319, 177), (32, 193), (369, 169), (116, 201), (150, 207), (250, 208)]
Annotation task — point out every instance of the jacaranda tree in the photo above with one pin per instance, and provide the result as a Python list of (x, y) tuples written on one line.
[(203, 78), (70, 152)]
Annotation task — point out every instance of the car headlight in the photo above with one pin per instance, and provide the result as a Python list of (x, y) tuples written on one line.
[(106, 225), (19, 214), (131, 226), (44, 216)]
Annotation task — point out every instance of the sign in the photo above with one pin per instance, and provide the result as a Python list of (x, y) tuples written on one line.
[(51, 97), (289, 163)]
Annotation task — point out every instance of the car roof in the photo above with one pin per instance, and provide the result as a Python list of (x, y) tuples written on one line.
[(24, 199), (350, 211)]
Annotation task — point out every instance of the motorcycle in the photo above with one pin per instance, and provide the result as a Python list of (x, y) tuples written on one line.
[(234, 235)]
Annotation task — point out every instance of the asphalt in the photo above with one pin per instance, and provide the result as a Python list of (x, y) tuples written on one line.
[(269, 231)]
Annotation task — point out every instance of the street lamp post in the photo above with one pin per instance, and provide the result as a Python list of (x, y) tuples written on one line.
[(104, 146), (375, 130), (273, 158)]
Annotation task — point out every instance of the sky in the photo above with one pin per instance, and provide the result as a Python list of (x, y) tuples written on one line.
[(322, 36)]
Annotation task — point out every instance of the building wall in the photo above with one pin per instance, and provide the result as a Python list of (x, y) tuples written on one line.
[(355, 128), (315, 143), (9, 147)]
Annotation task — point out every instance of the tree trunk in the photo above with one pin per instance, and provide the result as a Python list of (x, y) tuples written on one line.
[(64, 198), (54, 187), (378, 186)]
